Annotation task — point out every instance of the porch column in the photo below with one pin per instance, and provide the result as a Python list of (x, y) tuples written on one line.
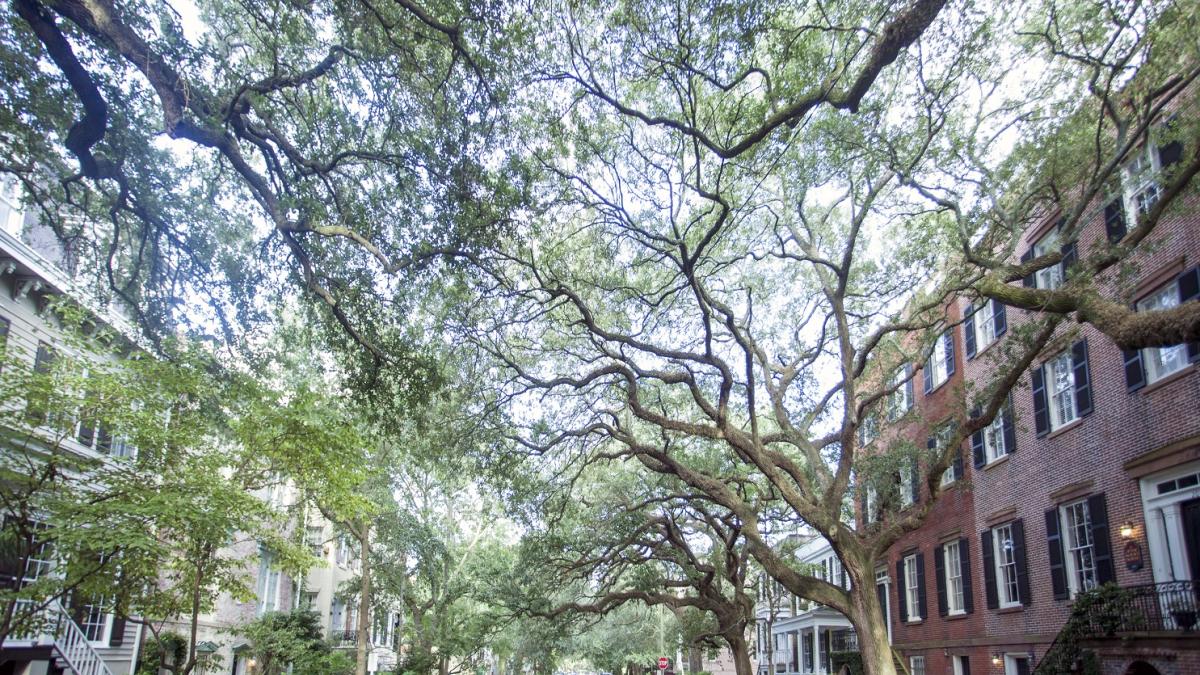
[(817, 648)]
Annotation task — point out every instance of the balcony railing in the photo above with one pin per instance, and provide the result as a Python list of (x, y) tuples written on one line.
[(344, 638), (1170, 606)]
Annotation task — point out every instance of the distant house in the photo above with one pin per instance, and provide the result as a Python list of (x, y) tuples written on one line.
[(796, 635)]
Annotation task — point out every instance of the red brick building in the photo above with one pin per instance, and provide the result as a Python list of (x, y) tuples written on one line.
[(1092, 474)]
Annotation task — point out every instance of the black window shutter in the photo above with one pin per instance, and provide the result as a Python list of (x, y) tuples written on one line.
[(969, 330), (999, 318), (1029, 281), (1135, 375), (103, 440), (908, 386), (1101, 545), (921, 603), (939, 573), (76, 606), (1170, 153), (1018, 535), (977, 449), (1008, 427), (1041, 412), (1069, 258), (966, 664), (44, 359), (929, 374), (1189, 289), (902, 589), (1058, 567), (881, 595), (118, 631), (989, 570), (1114, 220), (87, 433), (1083, 380), (958, 463), (964, 563), (916, 481), (13, 560), (948, 336)]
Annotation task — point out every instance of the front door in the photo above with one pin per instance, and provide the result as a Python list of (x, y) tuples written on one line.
[(1191, 535), (881, 591)]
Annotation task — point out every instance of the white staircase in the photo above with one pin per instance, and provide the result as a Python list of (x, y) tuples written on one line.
[(69, 641)]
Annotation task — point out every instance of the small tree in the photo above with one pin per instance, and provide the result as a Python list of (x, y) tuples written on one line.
[(293, 642)]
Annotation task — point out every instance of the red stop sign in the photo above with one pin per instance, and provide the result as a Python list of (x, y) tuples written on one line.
[(663, 662)]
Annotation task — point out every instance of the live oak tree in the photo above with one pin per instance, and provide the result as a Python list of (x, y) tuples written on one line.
[(247, 149), (753, 222), (719, 221), (617, 539)]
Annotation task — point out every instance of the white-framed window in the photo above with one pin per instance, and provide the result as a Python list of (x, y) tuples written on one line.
[(993, 438), (1162, 361), (1139, 182), (268, 583), (1077, 540), (314, 536), (834, 566), (41, 559), (1016, 664), (941, 438), (12, 213), (1050, 277), (954, 582), (1060, 390), (96, 622), (958, 665), (912, 595), (308, 601), (984, 320), (900, 400), (907, 479), (937, 362), (344, 551), (916, 665), (872, 504), (277, 492), (1006, 566), (868, 429)]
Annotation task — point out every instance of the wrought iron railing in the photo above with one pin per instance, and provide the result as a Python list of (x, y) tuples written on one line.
[(347, 638), (1170, 606), (1111, 610)]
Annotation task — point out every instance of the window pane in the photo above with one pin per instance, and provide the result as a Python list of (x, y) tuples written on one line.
[(1162, 361)]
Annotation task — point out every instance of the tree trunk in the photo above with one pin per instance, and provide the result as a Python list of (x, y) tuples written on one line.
[(741, 655), (364, 601), (871, 626)]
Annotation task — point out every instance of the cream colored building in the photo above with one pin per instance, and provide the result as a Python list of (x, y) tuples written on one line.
[(89, 638)]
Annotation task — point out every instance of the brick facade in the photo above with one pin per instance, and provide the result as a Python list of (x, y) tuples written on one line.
[(1126, 435)]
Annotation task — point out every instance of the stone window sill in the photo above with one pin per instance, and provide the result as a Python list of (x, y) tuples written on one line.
[(1164, 381), (1065, 428), (997, 462)]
